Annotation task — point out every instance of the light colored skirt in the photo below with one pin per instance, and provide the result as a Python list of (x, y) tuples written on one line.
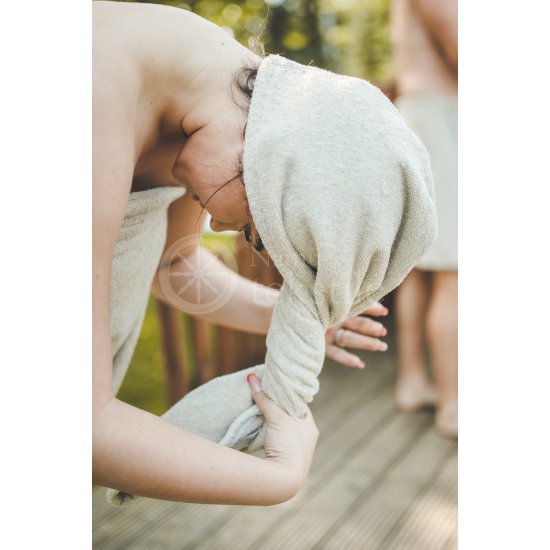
[(434, 119)]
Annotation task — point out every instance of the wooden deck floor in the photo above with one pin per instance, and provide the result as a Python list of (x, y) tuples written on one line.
[(380, 480)]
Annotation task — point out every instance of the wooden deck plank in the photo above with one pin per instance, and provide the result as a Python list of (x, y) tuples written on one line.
[(376, 473), (431, 523), (371, 519), (194, 521), (121, 525), (452, 543), (247, 528), (359, 473)]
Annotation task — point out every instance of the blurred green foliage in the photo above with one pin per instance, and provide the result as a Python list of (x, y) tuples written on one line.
[(346, 36), (145, 383)]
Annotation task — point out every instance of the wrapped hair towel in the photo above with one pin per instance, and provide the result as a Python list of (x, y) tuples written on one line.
[(340, 191)]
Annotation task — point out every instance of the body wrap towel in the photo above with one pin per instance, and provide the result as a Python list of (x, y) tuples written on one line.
[(341, 194), (136, 256)]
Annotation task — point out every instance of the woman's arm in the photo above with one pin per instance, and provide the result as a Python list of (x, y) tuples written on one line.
[(139, 453), (249, 306), (225, 297), (135, 451), (245, 305), (440, 17)]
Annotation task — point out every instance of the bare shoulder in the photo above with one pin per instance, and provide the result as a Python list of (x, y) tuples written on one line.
[(113, 120), (115, 79), (135, 14), (115, 68)]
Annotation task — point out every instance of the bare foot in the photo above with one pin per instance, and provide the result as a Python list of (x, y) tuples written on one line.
[(415, 393), (446, 419)]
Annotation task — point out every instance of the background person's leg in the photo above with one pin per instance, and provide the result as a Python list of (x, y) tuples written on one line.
[(414, 389), (442, 328)]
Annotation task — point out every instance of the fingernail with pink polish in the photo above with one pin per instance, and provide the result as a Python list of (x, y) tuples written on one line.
[(254, 382)]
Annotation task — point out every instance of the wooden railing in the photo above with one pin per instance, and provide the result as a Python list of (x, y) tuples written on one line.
[(196, 351)]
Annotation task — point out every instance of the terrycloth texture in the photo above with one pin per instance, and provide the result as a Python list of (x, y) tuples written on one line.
[(136, 256), (340, 191), (434, 119)]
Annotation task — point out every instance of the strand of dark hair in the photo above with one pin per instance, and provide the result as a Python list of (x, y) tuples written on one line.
[(244, 81)]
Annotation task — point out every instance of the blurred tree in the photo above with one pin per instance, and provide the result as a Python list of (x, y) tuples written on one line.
[(347, 36)]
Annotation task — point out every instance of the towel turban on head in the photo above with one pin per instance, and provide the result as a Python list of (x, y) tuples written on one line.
[(341, 194)]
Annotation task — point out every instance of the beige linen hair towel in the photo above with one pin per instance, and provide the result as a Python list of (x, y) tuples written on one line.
[(341, 194)]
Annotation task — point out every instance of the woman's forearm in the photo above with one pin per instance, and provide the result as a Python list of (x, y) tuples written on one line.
[(440, 17), (245, 305), (139, 453)]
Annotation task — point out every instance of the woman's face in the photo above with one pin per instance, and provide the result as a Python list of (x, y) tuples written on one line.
[(210, 166)]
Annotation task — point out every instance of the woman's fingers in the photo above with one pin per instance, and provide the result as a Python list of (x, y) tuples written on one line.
[(289, 442), (376, 309), (354, 340), (355, 333), (365, 326), (344, 357), (269, 409)]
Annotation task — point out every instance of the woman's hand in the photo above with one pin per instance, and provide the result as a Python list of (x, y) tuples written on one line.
[(356, 333), (289, 442)]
